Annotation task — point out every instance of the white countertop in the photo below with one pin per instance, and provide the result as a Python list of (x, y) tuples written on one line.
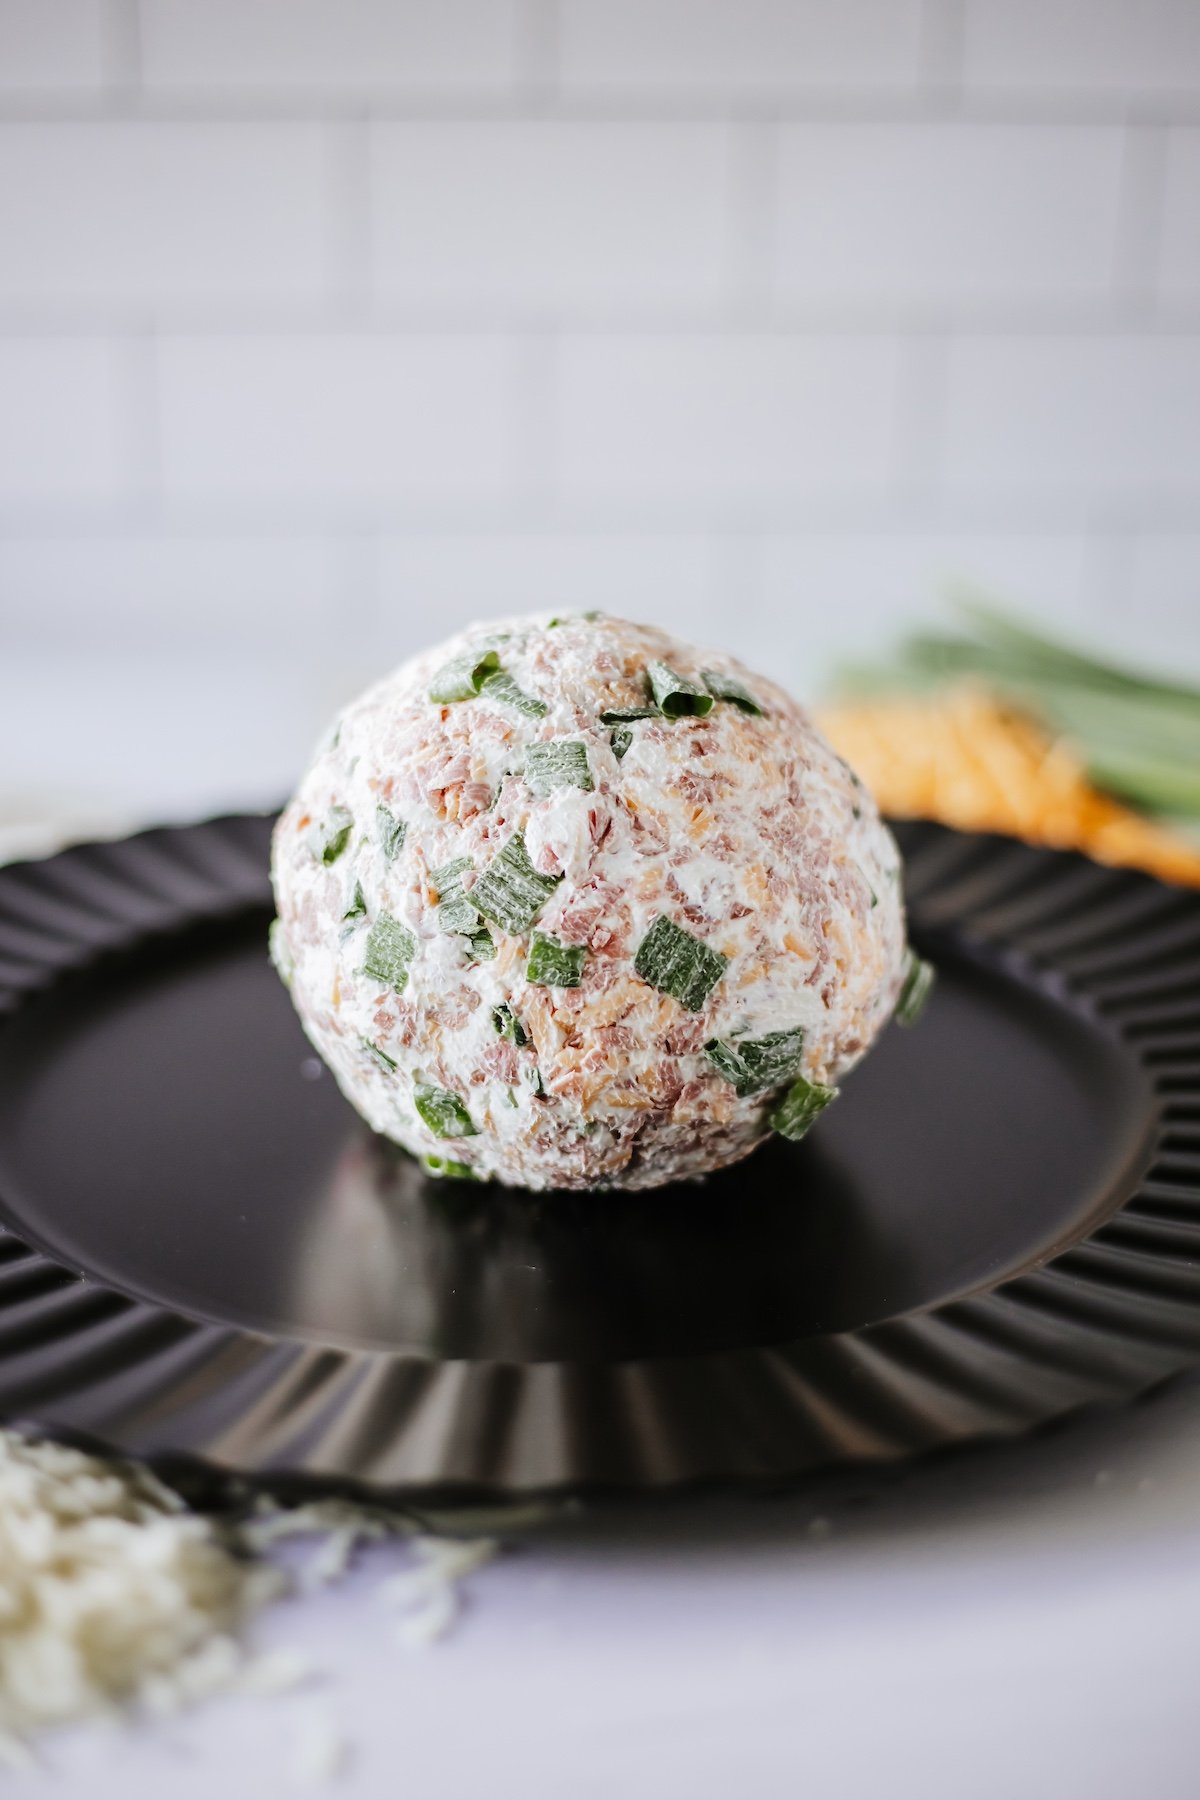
[(1009, 1620)]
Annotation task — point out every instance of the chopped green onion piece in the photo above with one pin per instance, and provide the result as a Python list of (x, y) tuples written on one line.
[(336, 835), (800, 1106), (356, 910), (620, 739), (377, 1055), (443, 1112), (726, 1059), (279, 953), (455, 912), (510, 1098), (625, 715), (724, 687), (552, 964), (755, 1065), (390, 950), (919, 977), (502, 687), (445, 1168), (593, 613), (462, 678), (448, 877), (675, 695), (483, 946), (676, 963), (507, 1025), (563, 762), (392, 832), (510, 891), (534, 1078)]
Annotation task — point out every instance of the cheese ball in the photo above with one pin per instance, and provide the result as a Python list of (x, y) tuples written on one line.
[(566, 903)]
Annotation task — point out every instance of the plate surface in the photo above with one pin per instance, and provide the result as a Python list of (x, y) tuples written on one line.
[(205, 1253)]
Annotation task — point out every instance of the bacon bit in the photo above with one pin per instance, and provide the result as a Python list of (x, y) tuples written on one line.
[(303, 820), (695, 915), (697, 785), (306, 925), (501, 1060), (583, 912), (454, 1009), (650, 832), (475, 798), (686, 1037)]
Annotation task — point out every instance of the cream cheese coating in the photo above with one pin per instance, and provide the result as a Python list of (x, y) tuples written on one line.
[(744, 830)]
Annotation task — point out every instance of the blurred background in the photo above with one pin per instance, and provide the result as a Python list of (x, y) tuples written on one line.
[(327, 326)]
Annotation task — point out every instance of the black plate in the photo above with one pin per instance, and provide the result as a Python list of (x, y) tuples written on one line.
[(206, 1254)]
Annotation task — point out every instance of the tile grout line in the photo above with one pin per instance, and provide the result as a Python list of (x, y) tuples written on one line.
[(537, 377), (776, 319), (141, 376), (537, 30), (1137, 247), (349, 174), (122, 55), (751, 223), (941, 45), (666, 108), (920, 416)]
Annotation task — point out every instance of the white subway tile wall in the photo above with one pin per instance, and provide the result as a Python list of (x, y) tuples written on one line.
[(147, 216), (541, 215), (1179, 266), (52, 50), (340, 424), (322, 48), (328, 326), (742, 47), (948, 214), (1119, 48)]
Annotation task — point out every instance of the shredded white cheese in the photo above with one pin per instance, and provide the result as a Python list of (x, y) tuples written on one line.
[(111, 1591), (114, 1595)]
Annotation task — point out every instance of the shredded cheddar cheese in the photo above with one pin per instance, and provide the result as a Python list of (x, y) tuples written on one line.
[(967, 759)]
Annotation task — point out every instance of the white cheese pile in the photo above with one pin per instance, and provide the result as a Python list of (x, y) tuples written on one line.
[(114, 1594)]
